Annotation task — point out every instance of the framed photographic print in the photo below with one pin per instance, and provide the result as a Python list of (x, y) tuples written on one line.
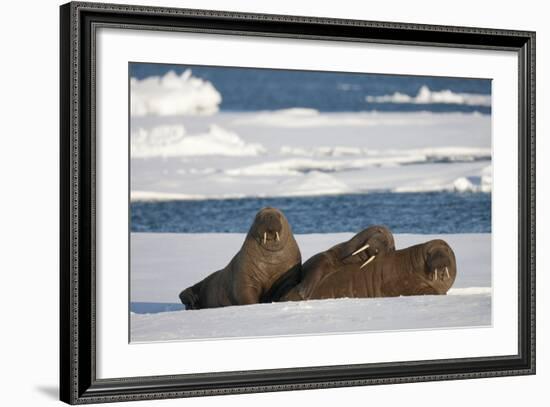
[(257, 203)]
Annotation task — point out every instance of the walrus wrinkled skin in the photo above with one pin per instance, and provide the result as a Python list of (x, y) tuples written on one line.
[(268, 252), (356, 253), (427, 268)]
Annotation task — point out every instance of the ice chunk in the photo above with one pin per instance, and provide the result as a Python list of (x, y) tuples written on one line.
[(173, 94)]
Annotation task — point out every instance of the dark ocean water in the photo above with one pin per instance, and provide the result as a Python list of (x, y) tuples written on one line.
[(250, 89), (154, 307), (434, 212)]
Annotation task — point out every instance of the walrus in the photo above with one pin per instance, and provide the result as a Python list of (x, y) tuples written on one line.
[(269, 251), (357, 252), (424, 269)]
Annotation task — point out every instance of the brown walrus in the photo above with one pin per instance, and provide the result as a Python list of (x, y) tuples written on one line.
[(269, 251), (357, 252), (427, 268)]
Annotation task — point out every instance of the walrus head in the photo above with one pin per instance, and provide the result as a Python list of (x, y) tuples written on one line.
[(440, 262), (270, 229), (190, 298), (366, 245)]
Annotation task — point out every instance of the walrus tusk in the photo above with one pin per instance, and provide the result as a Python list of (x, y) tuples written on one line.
[(367, 262), (447, 272), (265, 237), (365, 247), (277, 234), (435, 275)]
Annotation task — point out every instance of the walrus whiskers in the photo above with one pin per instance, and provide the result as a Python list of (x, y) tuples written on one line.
[(278, 238), (367, 262), (365, 247)]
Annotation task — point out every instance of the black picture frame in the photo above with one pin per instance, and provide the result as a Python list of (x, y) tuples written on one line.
[(78, 382)]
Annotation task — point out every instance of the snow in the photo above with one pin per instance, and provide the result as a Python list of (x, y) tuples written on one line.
[(427, 96), (162, 196), (172, 141), (456, 153), (302, 118), (312, 183), (304, 152), (162, 264), (470, 291), (173, 94), (340, 315)]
